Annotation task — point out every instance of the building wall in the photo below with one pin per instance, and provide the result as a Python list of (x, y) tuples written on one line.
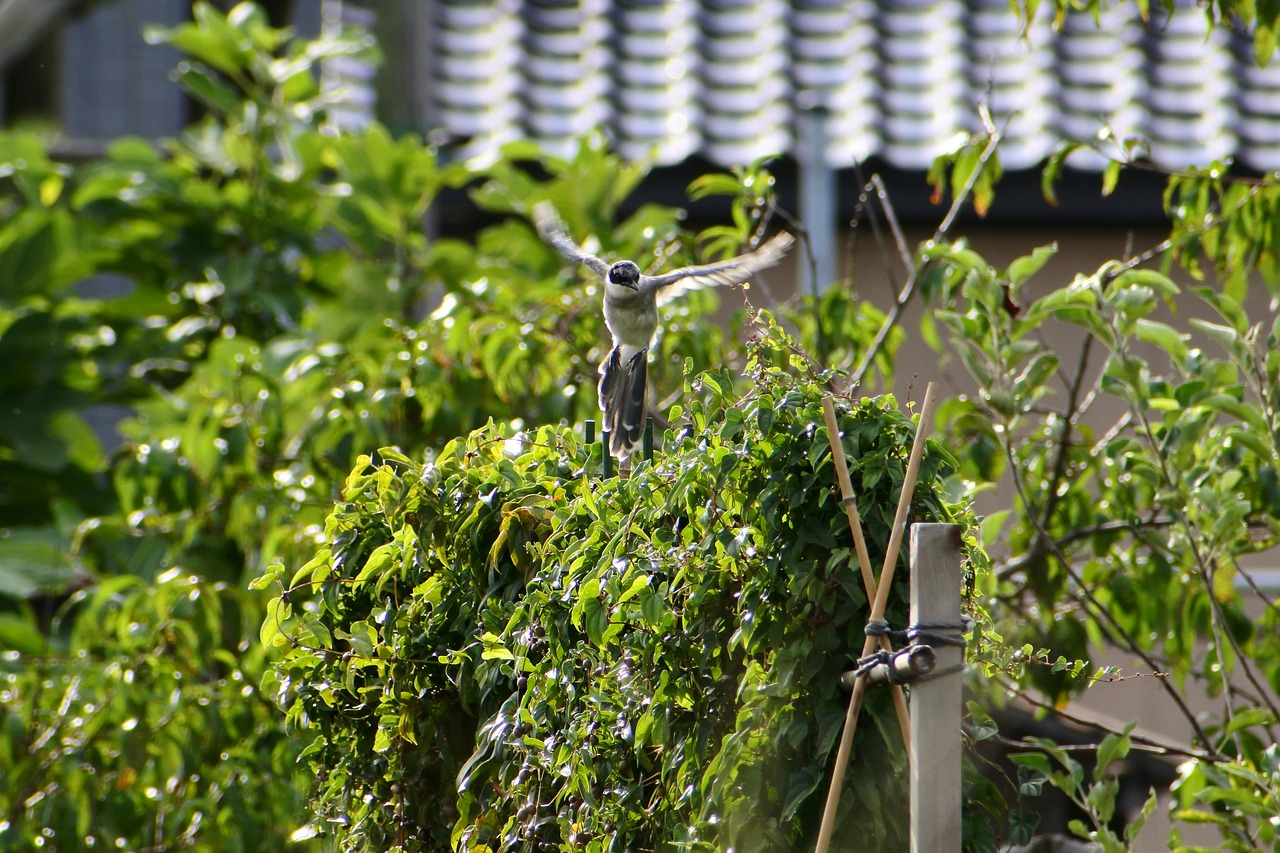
[(110, 82), (113, 84)]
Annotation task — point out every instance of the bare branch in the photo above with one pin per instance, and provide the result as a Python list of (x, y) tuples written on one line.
[(1109, 728), (909, 287)]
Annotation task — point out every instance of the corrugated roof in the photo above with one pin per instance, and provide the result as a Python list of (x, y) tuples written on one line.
[(725, 79)]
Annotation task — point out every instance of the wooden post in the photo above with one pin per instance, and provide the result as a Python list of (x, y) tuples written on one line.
[(935, 702)]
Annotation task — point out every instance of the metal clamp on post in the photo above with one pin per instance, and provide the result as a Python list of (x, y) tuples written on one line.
[(900, 667)]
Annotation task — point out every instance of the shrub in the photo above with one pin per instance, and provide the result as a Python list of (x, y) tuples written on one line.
[(495, 645)]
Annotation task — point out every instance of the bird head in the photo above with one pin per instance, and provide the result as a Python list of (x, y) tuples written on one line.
[(625, 274)]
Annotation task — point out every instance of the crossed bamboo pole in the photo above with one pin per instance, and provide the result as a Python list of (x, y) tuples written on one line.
[(877, 594)]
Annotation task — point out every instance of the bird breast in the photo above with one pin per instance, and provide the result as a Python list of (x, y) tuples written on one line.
[(632, 317)]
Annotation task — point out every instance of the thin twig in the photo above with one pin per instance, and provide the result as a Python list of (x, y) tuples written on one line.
[(864, 206), (1017, 564), (1241, 571), (891, 217), (1069, 414), (909, 287), (1098, 725)]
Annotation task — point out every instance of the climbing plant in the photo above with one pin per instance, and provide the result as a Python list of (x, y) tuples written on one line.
[(603, 664)]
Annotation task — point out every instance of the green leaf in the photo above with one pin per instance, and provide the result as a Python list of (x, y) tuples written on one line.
[(19, 633), (1266, 27), (1102, 800), (1135, 824), (1248, 718), (1039, 371), (494, 649), (984, 727), (278, 613), (1163, 336), (713, 185), (1028, 265), (272, 575), (596, 620), (638, 585), (211, 47), (1110, 175), (363, 639), (1114, 747), (383, 557), (1225, 336), (652, 607), (198, 82), (1053, 170)]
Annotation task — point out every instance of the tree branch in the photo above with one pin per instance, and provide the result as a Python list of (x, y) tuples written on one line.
[(1104, 615), (909, 287), (1097, 725)]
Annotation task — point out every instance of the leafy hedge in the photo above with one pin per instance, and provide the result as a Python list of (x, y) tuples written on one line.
[(497, 646), (276, 310), (148, 733)]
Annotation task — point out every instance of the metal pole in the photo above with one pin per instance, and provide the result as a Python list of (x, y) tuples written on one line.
[(817, 197)]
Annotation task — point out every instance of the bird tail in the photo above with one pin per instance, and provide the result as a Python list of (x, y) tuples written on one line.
[(622, 399)]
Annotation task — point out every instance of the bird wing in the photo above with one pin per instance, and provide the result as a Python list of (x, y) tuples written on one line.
[(552, 230), (733, 271)]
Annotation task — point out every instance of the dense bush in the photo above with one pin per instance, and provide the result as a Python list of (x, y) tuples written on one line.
[(269, 308), (604, 664), (149, 732)]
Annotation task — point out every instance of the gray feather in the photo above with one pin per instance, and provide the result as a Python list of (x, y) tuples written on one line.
[(622, 399), (733, 271), (552, 230)]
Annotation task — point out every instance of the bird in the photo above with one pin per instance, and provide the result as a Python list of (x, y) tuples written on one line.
[(631, 301)]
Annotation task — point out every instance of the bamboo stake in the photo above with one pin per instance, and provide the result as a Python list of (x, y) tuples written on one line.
[(877, 614), (864, 559)]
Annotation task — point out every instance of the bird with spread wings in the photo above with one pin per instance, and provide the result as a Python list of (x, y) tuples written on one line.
[(631, 314)]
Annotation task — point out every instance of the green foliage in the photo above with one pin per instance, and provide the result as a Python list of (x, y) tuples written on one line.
[(1263, 16), (278, 310), (1130, 532), (1166, 500), (1241, 798), (141, 727), (623, 664), (281, 312), (970, 170), (751, 189), (1096, 797), (50, 349)]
